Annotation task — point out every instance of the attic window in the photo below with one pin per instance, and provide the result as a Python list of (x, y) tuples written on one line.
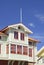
[(19, 27)]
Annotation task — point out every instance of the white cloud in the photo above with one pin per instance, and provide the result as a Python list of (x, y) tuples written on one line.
[(32, 25), (40, 17)]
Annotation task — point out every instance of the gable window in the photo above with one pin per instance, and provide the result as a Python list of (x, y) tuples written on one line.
[(13, 48), (25, 50), (30, 52), (16, 35), (0, 48), (22, 36), (7, 49), (19, 49)]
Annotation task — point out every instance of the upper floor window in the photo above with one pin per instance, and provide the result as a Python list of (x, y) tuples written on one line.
[(19, 49), (0, 37), (0, 48), (30, 52), (22, 36), (13, 48), (25, 50), (16, 35), (7, 49), (30, 43)]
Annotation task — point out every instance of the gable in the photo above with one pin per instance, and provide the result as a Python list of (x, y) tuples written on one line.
[(22, 27)]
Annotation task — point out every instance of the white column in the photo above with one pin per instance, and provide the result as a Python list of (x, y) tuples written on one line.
[(22, 50), (19, 62), (13, 62), (28, 50), (9, 62), (16, 49), (23, 63), (9, 49)]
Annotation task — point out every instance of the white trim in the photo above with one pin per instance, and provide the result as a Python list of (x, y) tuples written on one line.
[(16, 25)]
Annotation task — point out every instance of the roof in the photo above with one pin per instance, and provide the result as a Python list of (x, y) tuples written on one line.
[(1, 33), (16, 25), (41, 52), (33, 40)]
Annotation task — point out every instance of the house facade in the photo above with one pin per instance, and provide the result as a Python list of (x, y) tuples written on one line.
[(40, 55), (15, 46)]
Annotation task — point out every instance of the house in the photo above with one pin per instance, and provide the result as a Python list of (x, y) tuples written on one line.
[(40, 55), (15, 46), (32, 51)]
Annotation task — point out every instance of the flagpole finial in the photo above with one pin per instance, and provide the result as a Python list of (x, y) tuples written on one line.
[(20, 15)]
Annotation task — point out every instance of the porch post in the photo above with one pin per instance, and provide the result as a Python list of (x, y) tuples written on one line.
[(9, 62), (19, 62), (13, 62), (23, 63)]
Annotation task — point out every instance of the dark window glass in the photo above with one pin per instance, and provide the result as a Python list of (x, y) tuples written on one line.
[(19, 49), (25, 50), (13, 48), (22, 36), (30, 43), (30, 52), (16, 35)]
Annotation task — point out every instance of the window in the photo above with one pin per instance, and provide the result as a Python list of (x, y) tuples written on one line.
[(22, 36), (25, 50), (7, 49), (13, 48), (30, 43), (19, 49), (0, 37), (0, 48), (30, 52), (16, 35)]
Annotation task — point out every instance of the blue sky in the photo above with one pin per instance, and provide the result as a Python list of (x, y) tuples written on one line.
[(33, 16)]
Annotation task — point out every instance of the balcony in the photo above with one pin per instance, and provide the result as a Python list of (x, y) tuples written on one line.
[(17, 52)]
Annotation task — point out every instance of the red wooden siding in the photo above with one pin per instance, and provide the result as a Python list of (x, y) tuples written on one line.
[(15, 63), (3, 62)]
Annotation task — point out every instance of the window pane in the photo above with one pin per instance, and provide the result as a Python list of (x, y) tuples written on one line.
[(22, 36), (7, 49), (13, 48), (19, 49), (30, 52), (30, 43), (25, 50), (16, 35)]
